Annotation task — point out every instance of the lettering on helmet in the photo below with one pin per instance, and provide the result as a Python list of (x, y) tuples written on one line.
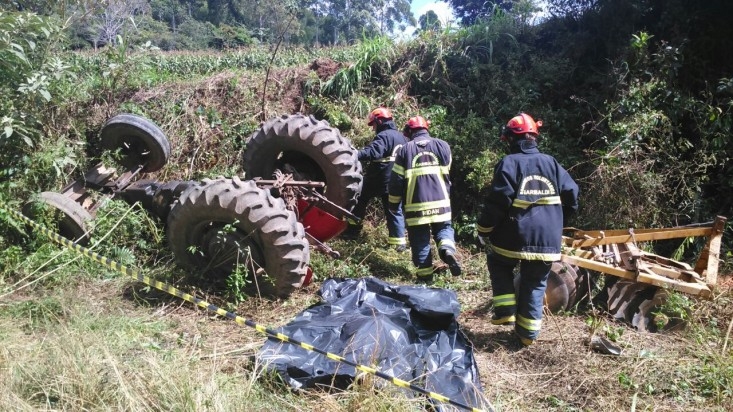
[(536, 185)]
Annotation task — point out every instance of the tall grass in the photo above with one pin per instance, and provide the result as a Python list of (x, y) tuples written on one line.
[(370, 53), (136, 362)]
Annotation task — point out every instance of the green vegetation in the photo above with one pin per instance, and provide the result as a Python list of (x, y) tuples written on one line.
[(636, 99)]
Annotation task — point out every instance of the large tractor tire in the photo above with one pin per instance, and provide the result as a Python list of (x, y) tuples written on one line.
[(72, 220), (140, 142), (221, 225), (312, 149)]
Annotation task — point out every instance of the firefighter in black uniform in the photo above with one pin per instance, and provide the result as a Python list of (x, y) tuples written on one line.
[(380, 154), (531, 196), (420, 181)]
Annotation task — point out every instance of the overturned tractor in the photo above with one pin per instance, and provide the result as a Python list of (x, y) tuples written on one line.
[(302, 178)]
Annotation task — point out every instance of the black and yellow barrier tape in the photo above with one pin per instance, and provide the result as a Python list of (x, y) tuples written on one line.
[(137, 275)]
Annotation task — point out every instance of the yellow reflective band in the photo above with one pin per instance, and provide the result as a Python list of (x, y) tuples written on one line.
[(417, 207), (384, 160), (424, 271), (529, 324), (482, 229), (410, 196), (396, 241), (550, 200), (394, 199), (398, 169), (428, 219), (427, 170), (505, 300), (547, 257)]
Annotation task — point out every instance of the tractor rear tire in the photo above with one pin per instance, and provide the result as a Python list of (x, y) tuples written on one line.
[(73, 221), (218, 226), (313, 148), (140, 141)]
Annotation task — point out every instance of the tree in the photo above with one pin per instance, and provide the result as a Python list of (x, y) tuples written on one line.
[(468, 11), (393, 15), (429, 22), (350, 20), (109, 18), (570, 8)]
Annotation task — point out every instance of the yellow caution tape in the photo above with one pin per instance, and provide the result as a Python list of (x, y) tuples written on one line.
[(137, 275)]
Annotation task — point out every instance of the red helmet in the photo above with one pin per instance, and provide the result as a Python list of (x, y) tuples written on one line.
[(417, 122), (522, 123), (379, 113)]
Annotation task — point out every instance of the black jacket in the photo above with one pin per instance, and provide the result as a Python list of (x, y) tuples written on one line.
[(380, 154), (421, 181), (530, 197)]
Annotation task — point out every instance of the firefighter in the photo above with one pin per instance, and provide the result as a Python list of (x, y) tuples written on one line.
[(380, 154), (521, 221), (421, 183)]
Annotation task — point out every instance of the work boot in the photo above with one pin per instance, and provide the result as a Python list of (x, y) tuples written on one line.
[(504, 320), (524, 341), (453, 266), (400, 248)]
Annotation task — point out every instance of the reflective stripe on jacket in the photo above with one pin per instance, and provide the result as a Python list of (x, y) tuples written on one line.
[(530, 197), (420, 180)]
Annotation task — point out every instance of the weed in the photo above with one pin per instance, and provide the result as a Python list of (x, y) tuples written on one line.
[(38, 312), (238, 282)]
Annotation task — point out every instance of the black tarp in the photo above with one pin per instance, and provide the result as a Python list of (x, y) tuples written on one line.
[(407, 332)]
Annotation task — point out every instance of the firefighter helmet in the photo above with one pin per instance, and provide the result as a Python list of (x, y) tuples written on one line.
[(417, 122), (521, 124), (379, 113)]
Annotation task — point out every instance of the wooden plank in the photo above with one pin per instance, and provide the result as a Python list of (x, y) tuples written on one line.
[(638, 237), (670, 273), (586, 254), (695, 289), (598, 266), (667, 261), (645, 276), (578, 234), (707, 264)]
